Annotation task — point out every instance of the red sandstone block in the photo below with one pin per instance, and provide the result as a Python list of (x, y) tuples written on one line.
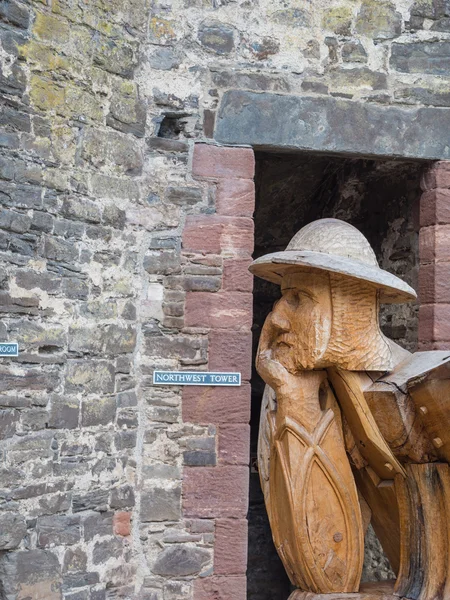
[(235, 197), (427, 290), (236, 276), (434, 323), (434, 244), (220, 588), (204, 405), (215, 234), (219, 310), (219, 161), (435, 208), (210, 492), (425, 346), (230, 547), (122, 523), (202, 234), (438, 176), (231, 351), (234, 444), (434, 283)]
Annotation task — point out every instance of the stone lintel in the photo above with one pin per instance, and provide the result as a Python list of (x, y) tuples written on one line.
[(332, 125)]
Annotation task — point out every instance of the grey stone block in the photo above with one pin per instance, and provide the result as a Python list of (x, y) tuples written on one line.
[(122, 497), (75, 559), (120, 339), (98, 411), (199, 458), (81, 579), (37, 571), (97, 524), (161, 504), (216, 36), (12, 530), (272, 121), (81, 209), (422, 57), (64, 413), (89, 376), (181, 560), (8, 423), (95, 500), (107, 549), (378, 19), (58, 529)]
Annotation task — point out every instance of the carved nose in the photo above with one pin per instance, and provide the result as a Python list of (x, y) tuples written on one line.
[(279, 322)]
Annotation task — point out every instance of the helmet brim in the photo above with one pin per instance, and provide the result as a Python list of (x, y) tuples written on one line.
[(273, 267)]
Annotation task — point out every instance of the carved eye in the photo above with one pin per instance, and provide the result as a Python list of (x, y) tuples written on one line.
[(293, 299)]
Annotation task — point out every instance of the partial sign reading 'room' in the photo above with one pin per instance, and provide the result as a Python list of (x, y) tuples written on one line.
[(195, 378)]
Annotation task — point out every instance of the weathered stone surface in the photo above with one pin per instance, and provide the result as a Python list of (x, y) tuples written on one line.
[(181, 560), (437, 96), (230, 350), (99, 411), (218, 234), (222, 588), (235, 197), (434, 324), (58, 529), (338, 20), (230, 550), (122, 497), (97, 524), (75, 559), (12, 530), (95, 500), (89, 376), (30, 573), (234, 444), (328, 125), (292, 17), (107, 549), (216, 405), (378, 19), (114, 149), (216, 36), (210, 492), (215, 161), (222, 310), (421, 57), (164, 58), (161, 504)]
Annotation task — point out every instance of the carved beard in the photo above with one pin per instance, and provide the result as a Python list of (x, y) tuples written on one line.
[(306, 343), (302, 347)]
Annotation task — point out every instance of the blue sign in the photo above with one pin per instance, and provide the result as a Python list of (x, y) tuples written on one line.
[(195, 378), (9, 349)]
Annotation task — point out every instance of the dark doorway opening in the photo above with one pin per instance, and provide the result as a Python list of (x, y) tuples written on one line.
[(380, 198)]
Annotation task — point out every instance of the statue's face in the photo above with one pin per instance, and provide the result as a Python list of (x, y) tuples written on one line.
[(298, 329)]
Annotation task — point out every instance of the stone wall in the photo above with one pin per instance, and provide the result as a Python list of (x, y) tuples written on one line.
[(101, 105)]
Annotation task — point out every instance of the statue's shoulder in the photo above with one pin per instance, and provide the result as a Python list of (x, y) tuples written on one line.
[(417, 368)]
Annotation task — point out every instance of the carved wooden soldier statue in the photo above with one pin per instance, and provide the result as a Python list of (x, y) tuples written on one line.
[(353, 429)]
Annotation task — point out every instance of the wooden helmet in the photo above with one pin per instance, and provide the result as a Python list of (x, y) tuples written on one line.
[(336, 246)]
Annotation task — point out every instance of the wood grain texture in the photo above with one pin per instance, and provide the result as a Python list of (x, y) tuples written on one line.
[(312, 501), (381, 497), (366, 432), (380, 590), (424, 508)]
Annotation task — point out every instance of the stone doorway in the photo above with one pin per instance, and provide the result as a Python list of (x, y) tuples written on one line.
[(382, 199)]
